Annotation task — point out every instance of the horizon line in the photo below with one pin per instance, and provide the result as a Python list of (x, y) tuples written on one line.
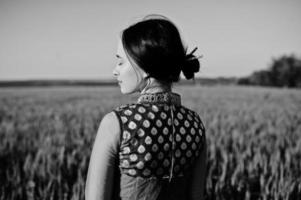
[(105, 79)]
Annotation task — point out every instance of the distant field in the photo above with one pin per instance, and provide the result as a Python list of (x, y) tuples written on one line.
[(253, 136)]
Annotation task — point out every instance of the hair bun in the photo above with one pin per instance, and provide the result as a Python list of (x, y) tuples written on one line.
[(190, 65)]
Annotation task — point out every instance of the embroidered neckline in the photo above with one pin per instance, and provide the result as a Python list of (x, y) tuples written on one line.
[(160, 97)]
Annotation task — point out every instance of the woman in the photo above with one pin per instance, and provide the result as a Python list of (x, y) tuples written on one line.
[(154, 148)]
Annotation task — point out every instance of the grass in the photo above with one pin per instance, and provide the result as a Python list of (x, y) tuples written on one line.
[(253, 136)]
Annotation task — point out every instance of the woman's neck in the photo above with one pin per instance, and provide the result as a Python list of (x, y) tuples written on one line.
[(155, 87), (155, 90)]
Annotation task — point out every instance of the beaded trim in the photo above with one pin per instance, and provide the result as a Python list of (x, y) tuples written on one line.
[(161, 97)]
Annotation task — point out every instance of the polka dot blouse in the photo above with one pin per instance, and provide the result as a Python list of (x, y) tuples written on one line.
[(159, 137)]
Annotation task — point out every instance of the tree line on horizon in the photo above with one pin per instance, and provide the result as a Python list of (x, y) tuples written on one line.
[(284, 71)]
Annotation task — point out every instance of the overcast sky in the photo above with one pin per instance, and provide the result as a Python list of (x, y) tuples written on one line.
[(59, 39)]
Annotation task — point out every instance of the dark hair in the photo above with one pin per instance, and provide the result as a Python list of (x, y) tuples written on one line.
[(155, 45)]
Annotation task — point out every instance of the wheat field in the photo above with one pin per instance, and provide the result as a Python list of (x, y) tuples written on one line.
[(253, 136)]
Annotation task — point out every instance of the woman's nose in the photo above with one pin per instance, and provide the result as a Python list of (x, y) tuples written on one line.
[(115, 72)]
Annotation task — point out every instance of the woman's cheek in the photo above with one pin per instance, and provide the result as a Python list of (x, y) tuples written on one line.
[(128, 79)]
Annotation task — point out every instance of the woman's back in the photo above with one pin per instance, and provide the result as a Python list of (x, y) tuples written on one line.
[(157, 146), (160, 141)]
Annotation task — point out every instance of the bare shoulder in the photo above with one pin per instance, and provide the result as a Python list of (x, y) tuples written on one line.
[(109, 124), (110, 119)]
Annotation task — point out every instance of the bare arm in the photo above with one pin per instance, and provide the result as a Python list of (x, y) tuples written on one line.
[(99, 184), (199, 176)]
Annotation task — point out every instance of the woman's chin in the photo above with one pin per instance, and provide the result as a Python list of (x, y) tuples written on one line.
[(126, 91)]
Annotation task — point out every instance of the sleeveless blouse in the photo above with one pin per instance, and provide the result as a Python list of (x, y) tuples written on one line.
[(160, 138)]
